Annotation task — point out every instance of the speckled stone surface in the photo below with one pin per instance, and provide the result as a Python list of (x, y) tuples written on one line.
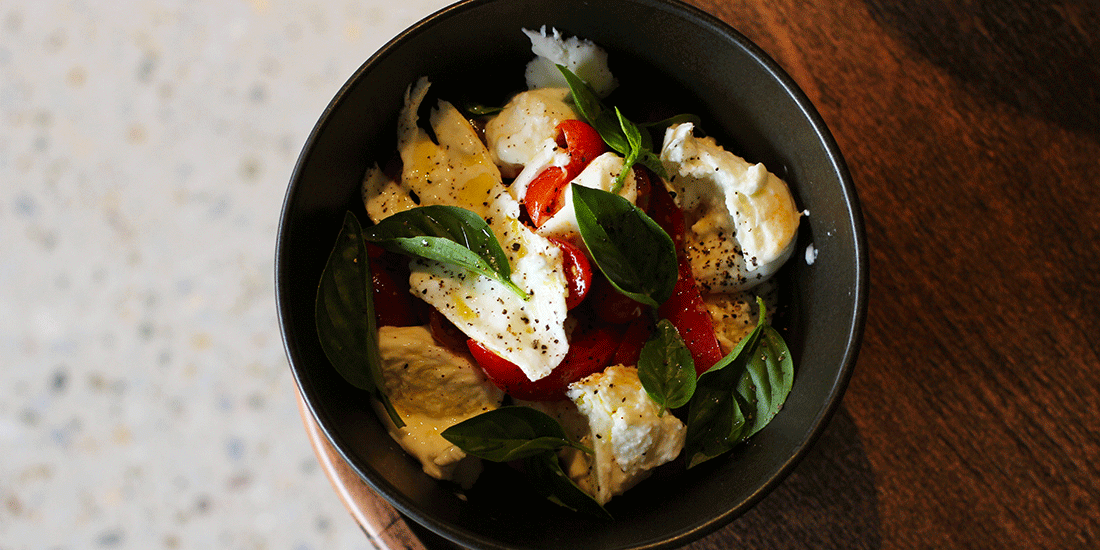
[(145, 148)]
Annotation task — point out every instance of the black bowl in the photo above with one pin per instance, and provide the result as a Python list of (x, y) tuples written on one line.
[(666, 52)]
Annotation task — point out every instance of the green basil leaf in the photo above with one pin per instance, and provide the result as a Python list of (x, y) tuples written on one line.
[(508, 433), (549, 478), (635, 254), (662, 125), (740, 394), (447, 234), (767, 381), (666, 368), (634, 144), (480, 110), (344, 313), (586, 100)]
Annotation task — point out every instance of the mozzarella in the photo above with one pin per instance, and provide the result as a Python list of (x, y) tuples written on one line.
[(520, 131), (724, 196), (432, 389), (628, 431), (458, 171), (583, 57)]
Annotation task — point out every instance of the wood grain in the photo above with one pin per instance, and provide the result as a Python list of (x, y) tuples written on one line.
[(972, 131)]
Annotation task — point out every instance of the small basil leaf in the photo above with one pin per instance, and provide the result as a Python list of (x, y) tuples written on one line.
[(636, 255), (508, 433), (634, 144), (549, 478), (447, 234), (344, 313), (661, 125), (740, 394), (666, 368), (479, 110), (768, 378), (586, 100)]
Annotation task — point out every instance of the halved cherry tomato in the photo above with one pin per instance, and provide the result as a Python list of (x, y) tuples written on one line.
[(583, 143), (590, 351), (544, 194), (578, 271), (393, 304)]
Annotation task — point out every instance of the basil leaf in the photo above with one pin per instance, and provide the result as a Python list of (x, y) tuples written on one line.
[(480, 110), (740, 394), (555, 485), (508, 433), (662, 125), (634, 142), (344, 314), (586, 100), (666, 368), (768, 378), (635, 254), (447, 234)]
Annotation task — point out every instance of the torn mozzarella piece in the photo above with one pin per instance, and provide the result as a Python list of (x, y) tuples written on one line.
[(458, 171), (627, 431), (741, 220), (583, 57), (432, 389), (599, 174), (520, 131)]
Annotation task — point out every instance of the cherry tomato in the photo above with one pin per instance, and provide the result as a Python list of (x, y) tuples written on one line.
[(578, 271), (583, 143), (544, 194), (393, 304), (590, 352)]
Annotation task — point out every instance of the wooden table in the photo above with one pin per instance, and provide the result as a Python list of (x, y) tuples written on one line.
[(973, 418)]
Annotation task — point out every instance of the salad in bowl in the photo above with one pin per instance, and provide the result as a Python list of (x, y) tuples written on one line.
[(559, 285)]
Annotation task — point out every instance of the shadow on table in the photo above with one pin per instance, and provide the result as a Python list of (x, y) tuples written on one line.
[(1037, 55), (829, 501)]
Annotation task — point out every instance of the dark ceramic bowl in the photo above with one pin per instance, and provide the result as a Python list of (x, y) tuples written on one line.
[(664, 54)]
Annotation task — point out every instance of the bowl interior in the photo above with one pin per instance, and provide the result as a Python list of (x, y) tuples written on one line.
[(663, 54)]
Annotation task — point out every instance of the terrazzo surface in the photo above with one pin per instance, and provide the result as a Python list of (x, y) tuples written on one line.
[(145, 149)]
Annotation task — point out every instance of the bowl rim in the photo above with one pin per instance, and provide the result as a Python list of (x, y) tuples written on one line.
[(854, 221)]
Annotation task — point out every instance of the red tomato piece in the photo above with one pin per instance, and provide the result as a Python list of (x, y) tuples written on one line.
[(393, 304), (589, 352), (612, 306), (578, 271), (685, 309), (544, 194), (445, 332), (687, 312), (636, 335), (583, 143)]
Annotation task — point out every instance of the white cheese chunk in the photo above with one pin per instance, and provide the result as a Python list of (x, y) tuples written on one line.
[(432, 389), (583, 57), (741, 219), (457, 171), (627, 430), (520, 131)]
